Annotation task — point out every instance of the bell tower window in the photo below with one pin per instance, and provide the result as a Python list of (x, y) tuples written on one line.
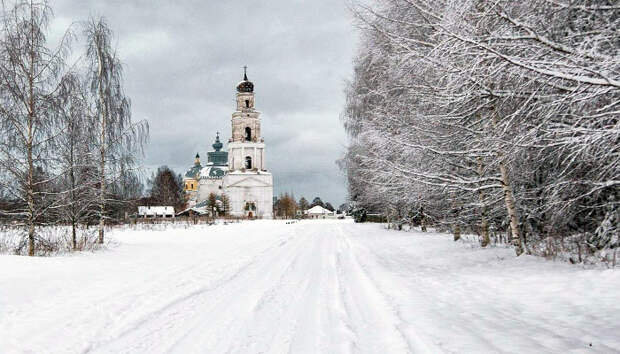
[(248, 162), (248, 134), (247, 103)]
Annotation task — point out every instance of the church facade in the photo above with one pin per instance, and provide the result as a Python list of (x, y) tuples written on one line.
[(240, 173)]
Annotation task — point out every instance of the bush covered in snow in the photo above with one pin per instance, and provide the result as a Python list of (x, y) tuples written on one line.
[(49, 241)]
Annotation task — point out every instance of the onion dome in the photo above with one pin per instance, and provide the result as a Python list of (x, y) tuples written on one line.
[(217, 146), (245, 85)]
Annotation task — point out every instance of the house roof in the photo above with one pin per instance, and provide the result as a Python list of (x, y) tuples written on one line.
[(317, 209), (155, 210)]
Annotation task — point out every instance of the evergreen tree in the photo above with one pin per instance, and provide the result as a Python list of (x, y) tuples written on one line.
[(303, 204), (212, 203), (317, 201)]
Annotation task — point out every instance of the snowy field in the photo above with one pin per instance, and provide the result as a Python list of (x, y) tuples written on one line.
[(308, 287)]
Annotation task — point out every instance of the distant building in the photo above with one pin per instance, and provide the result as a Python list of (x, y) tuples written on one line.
[(198, 209), (156, 212), (318, 212)]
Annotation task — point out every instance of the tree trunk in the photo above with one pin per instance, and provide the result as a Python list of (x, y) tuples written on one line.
[(73, 197), (456, 231), (103, 116), (30, 193), (484, 225), (516, 237), (74, 235), (30, 182), (422, 220)]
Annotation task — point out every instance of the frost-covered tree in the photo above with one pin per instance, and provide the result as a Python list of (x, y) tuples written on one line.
[(75, 156), (494, 116), (30, 76), (119, 140)]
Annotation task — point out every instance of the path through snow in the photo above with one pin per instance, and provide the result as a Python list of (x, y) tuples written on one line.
[(308, 287)]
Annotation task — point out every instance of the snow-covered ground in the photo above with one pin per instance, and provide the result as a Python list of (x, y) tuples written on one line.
[(308, 287)]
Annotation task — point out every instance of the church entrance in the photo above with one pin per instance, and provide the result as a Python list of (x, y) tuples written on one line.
[(250, 208)]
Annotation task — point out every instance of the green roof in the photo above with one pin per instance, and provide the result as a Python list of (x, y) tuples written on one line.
[(217, 157), (193, 171)]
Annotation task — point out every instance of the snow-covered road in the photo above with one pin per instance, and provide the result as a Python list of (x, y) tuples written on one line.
[(308, 287)]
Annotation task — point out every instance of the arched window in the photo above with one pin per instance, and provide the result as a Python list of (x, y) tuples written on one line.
[(248, 134), (248, 162), (247, 103)]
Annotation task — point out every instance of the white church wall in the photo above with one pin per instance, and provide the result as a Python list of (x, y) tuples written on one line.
[(238, 151), (250, 187), (208, 186)]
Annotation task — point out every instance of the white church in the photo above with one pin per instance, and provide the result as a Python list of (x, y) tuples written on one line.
[(239, 173)]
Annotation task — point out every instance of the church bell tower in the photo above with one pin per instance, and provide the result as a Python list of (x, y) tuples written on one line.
[(246, 148), (247, 181)]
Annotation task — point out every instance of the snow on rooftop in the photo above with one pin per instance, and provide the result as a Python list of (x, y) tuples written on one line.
[(317, 209), (155, 210)]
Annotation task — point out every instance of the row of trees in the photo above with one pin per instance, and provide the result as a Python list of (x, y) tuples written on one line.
[(68, 145), (286, 206), (218, 205), (489, 116)]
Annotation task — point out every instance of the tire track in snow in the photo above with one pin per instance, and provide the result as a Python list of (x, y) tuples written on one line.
[(251, 290), (171, 315), (367, 308)]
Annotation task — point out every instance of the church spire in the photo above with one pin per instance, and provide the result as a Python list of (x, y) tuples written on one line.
[(245, 73)]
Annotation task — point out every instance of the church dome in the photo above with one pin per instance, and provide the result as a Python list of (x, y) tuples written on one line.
[(217, 146), (245, 85)]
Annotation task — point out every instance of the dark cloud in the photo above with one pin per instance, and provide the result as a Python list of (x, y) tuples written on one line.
[(184, 58)]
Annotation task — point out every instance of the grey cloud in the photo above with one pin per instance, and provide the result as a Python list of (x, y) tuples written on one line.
[(184, 58)]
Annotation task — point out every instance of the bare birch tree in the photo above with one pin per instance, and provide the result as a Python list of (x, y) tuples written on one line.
[(119, 139), (30, 75), (75, 155)]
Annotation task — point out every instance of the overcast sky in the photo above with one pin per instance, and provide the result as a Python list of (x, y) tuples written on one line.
[(184, 58)]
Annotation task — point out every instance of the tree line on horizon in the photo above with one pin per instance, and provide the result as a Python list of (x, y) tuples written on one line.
[(286, 206), (489, 117), (69, 149)]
